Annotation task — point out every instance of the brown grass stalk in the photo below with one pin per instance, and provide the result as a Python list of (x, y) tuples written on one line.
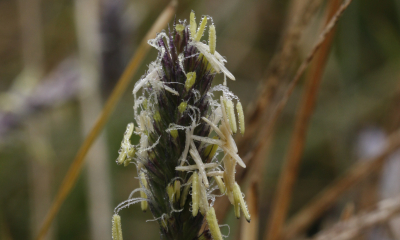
[(279, 66), (75, 168), (351, 228), (290, 169), (323, 201)]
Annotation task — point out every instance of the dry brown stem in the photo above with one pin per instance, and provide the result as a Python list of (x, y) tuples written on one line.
[(75, 168), (351, 228), (278, 69), (323, 201), (290, 169)]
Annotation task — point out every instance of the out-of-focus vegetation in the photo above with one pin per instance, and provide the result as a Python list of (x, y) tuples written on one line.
[(41, 121)]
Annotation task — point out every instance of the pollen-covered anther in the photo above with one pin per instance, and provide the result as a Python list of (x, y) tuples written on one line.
[(190, 80), (220, 184), (243, 205), (116, 227), (231, 115), (201, 29), (213, 224), (174, 133), (212, 39), (182, 107), (143, 204), (171, 192), (239, 110), (179, 28), (127, 151), (236, 196), (193, 24), (195, 194), (177, 189)]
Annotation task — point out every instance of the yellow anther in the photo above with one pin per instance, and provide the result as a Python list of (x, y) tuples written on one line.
[(177, 188), (131, 152), (243, 205), (171, 192), (129, 131), (116, 227), (174, 133), (236, 199), (182, 107), (195, 194), (190, 80), (211, 149), (203, 203), (231, 115), (220, 184), (157, 116), (212, 39), (193, 24), (206, 63), (122, 156), (143, 204), (179, 28), (202, 27), (239, 110), (213, 224)]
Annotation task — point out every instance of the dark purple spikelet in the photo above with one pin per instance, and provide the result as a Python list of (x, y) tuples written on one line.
[(182, 131)]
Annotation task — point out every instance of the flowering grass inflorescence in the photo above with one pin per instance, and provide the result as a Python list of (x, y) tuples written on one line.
[(182, 132)]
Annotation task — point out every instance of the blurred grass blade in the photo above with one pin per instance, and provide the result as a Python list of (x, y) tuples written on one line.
[(74, 170), (292, 162), (325, 199)]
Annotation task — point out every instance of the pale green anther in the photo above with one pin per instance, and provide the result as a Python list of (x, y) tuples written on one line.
[(195, 194), (182, 107), (239, 110), (126, 162), (236, 198), (231, 115), (131, 152), (193, 24), (202, 27), (174, 133), (116, 227), (220, 184), (243, 205), (121, 158), (211, 150), (157, 116), (190, 80), (212, 39), (179, 28), (177, 188), (171, 192), (129, 131), (143, 204), (213, 224)]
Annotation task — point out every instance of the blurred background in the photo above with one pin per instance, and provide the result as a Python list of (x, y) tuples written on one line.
[(60, 59)]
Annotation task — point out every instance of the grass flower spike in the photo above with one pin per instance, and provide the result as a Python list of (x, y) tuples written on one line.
[(186, 150)]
